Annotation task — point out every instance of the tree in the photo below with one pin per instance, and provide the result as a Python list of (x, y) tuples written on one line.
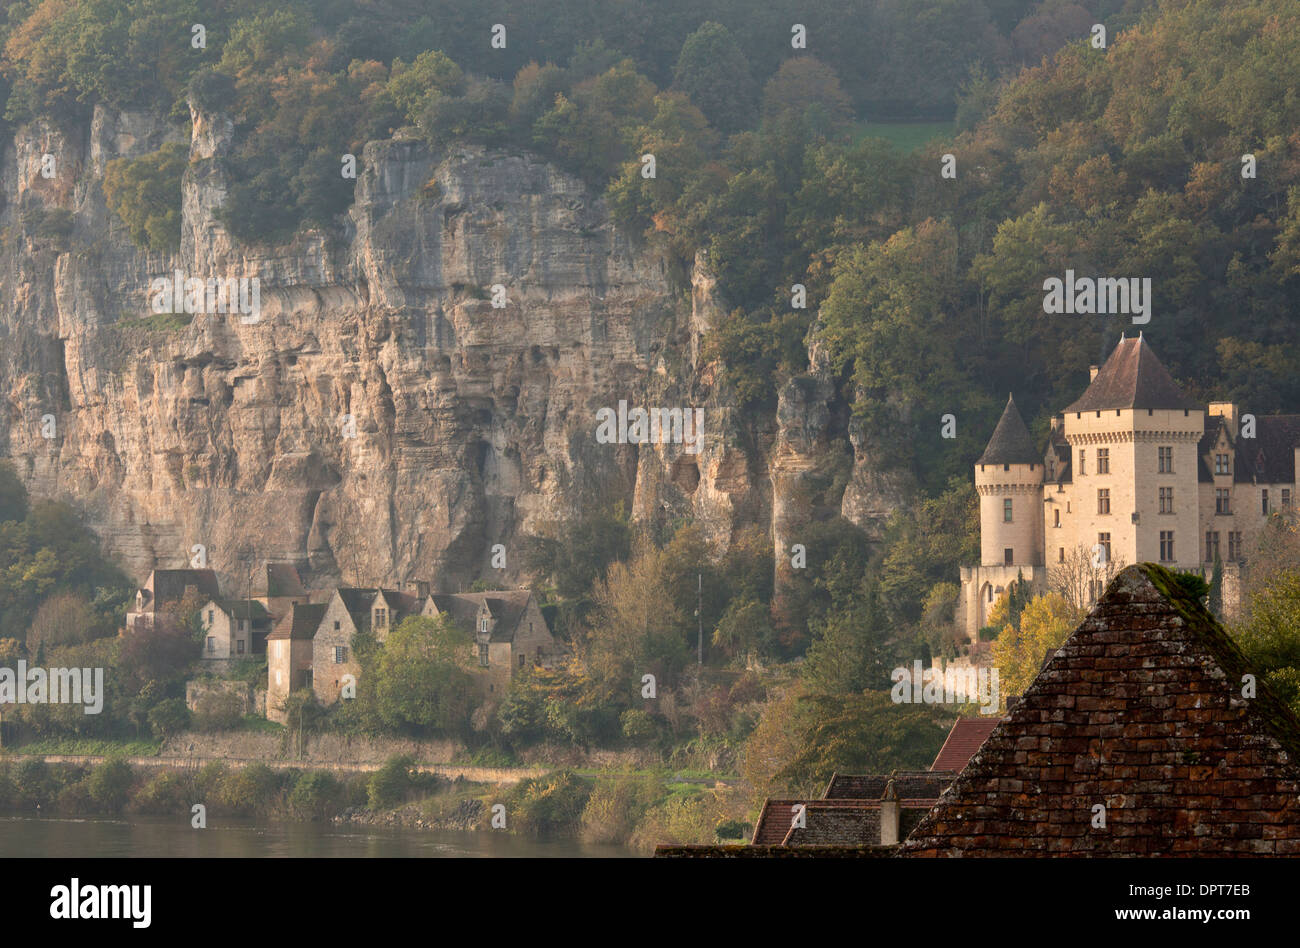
[(1081, 577), (62, 619), (1018, 652), (806, 83), (713, 71), (145, 194), (417, 682), (415, 86)]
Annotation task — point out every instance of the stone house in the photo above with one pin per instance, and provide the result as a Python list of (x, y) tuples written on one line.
[(289, 659), (510, 633), (278, 587), (347, 612), (165, 589), (234, 629)]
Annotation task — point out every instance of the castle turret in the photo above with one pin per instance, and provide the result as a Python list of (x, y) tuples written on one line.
[(1009, 479)]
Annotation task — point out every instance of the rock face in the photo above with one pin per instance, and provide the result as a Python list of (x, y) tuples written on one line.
[(380, 419)]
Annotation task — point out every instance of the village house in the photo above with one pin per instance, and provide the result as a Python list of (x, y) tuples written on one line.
[(166, 589), (233, 629), (1133, 471), (289, 655)]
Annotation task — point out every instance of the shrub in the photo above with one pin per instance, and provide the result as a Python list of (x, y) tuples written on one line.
[(314, 794), (391, 782), (169, 716), (218, 711), (145, 194), (168, 794), (547, 806), (109, 785), (247, 790), (638, 726)]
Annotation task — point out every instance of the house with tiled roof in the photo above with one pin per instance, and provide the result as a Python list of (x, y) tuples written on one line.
[(509, 631), (964, 739), (289, 655), (1133, 471), (233, 629), (855, 810), (166, 589), (1148, 733)]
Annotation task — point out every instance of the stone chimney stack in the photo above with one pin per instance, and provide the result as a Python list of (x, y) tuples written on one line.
[(889, 816)]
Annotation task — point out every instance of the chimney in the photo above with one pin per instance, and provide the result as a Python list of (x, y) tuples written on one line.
[(1092, 372), (1228, 410), (889, 815)]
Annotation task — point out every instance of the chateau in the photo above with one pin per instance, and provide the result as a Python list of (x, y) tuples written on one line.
[(1133, 472)]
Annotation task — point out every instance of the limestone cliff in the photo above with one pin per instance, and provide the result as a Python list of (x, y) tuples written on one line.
[(381, 419)]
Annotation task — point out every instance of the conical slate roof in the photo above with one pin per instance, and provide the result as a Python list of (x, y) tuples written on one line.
[(1011, 443), (1144, 711), (1132, 378)]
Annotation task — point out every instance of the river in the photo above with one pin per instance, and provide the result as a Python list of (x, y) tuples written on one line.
[(160, 836)]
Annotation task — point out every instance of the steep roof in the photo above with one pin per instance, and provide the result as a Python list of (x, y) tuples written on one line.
[(1132, 378), (1269, 457), (1141, 711), (912, 784), (1011, 443), (243, 609), (506, 607), (280, 579), (300, 622), (963, 741), (168, 585)]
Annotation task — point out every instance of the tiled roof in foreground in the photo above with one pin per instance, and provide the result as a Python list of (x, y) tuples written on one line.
[(1141, 712)]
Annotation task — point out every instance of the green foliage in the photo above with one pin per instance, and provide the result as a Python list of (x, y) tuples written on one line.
[(390, 784), (547, 806), (145, 193), (416, 681), (713, 71), (169, 717), (109, 785), (315, 794)]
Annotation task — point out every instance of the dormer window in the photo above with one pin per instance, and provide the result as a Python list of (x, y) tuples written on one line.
[(1220, 464)]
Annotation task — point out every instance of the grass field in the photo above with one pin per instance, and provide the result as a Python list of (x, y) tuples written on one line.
[(907, 136)]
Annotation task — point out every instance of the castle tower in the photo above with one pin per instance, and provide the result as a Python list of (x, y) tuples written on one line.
[(1009, 479)]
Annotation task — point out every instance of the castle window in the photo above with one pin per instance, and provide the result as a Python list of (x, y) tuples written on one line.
[(1006, 510), (1211, 546), (1286, 497), (1083, 467), (1103, 541), (1166, 465), (1235, 551), (1263, 501), (1060, 555), (1056, 522), (1103, 460), (1008, 557), (1103, 501), (1166, 500), (1222, 501), (483, 655), (1006, 467), (1220, 464), (1166, 546)]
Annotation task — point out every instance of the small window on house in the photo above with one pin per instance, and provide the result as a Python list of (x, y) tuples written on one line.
[(212, 616), (1166, 500), (1286, 497), (1083, 463), (1222, 501), (1060, 555), (1103, 541), (1235, 551), (1006, 467), (239, 647), (340, 654), (521, 659), (212, 643), (1056, 519), (1220, 464), (1166, 546), (1008, 556), (1166, 460), (1103, 501), (1006, 510), (336, 625), (1103, 460), (1263, 501), (483, 655), (1211, 545)]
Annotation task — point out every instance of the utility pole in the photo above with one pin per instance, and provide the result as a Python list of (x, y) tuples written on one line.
[(699, 615)]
